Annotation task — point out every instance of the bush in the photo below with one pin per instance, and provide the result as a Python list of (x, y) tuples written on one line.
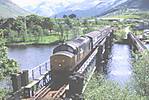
[(102, 89), (141, 73), (7, 66)]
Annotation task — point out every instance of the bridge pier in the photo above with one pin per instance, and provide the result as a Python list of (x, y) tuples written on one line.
[(99, 59), (108, 45), (102, 55), (75, 91)]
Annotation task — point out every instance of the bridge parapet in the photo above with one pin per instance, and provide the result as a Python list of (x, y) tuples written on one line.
[(135, 43)]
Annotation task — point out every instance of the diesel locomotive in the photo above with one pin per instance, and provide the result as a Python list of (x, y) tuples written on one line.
[(67, 55)]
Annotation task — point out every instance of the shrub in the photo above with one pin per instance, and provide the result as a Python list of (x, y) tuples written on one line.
[(141, 73)]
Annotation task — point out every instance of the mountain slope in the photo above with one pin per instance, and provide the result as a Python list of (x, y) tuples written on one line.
[(130, 6), (85, 8), (47, 8), (138, 4), (9, 9), (99, 9)]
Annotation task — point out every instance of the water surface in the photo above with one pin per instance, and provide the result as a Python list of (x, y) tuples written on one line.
[(29, 57), (119, 64)]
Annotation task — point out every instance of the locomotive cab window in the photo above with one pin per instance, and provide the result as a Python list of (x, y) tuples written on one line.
[(64, 48)]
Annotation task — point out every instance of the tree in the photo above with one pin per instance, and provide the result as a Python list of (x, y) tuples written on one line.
[(96, 21), (60, 29), (85, 23), (7, 66), (64, 16), (37, 31), (68, 22), (47, 24), (72, 16), (33, 20), (4, 33), (18, 26), (140, 73)]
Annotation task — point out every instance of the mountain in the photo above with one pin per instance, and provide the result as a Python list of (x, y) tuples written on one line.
[(99, 9), (46, 8), (85, 8), (9, 9), (138, 4), (130, 6)]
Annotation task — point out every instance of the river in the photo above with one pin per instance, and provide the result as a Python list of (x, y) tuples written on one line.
[(119, 66), (29, 57)]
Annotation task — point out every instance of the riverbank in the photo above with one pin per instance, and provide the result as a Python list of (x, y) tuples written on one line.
[(33, 43), (122, 41)]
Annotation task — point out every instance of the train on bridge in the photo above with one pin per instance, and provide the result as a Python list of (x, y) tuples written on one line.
[(71, 67), (67, 56)]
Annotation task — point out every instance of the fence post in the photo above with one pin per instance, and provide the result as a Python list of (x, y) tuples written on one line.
[(40, 70), (16, 82), (24, 78), (33, 74)]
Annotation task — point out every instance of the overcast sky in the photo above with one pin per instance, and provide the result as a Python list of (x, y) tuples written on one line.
[(23, 3)]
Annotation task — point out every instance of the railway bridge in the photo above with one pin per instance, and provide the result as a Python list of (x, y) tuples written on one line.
[(44, 88)]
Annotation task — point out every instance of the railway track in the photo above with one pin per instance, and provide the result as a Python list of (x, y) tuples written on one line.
[(58, 92), (54, 94)]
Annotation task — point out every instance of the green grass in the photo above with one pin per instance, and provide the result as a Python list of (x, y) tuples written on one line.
[(38, 40), (2, 93), (126, 16)]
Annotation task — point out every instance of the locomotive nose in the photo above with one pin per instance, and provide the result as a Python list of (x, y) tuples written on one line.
[(61, 61)]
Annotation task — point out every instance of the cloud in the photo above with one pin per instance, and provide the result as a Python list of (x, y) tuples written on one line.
[(23, 3)]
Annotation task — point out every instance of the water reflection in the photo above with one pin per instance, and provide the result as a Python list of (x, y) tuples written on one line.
[(119, 66)]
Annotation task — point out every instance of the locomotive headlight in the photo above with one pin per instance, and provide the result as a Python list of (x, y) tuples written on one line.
[(59, 65)]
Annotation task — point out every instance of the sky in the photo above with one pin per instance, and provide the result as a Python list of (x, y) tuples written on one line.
[(24, 3)]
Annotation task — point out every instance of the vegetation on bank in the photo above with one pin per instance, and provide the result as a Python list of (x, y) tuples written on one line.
[(100, 88), (7, 66), (34, 29), (141, 74)]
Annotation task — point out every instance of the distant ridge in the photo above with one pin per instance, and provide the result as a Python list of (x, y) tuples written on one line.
[(9, 9), (104, 8)]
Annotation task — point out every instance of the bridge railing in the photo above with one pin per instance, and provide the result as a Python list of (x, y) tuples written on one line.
[(135, 42), (40, 70), (23, 88), (41, 77)]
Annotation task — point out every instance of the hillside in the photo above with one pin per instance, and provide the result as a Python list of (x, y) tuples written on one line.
[(108, 7), (138, 4), (84, 8), (9, 9)]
